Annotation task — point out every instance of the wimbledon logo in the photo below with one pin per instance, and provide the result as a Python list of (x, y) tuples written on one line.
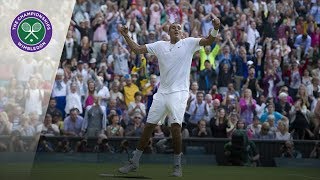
[(31, 31)]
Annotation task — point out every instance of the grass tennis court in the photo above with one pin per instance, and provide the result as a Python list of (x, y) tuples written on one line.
[(77, 171)]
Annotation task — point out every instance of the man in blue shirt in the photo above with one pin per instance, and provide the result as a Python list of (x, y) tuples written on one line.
[(303, 46), (73, 123)]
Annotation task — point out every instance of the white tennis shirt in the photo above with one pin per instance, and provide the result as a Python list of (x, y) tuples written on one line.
[(174, 63)]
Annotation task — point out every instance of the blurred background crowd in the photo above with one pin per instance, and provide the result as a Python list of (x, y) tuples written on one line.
[(262, 74)]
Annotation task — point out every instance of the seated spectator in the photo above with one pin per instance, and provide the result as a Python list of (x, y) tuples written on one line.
[(158, 133), (73, 123), (52, 109), (82, 146), (288, 151), (282, 133), (49, 129), (136, 126), (273, 126), (44, 145), (26, 127), (16, 144), (201, 130), (215, 94), (247, 107), (282, 106), (113, 106), (265, 133), (255, 127), (114, 129)]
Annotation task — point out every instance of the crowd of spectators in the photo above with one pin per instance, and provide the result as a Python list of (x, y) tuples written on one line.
[(261, 75)]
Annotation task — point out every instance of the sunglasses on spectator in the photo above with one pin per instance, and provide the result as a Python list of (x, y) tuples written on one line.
[(137, 117)]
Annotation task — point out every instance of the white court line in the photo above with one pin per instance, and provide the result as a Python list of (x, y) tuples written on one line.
[(308, 177)]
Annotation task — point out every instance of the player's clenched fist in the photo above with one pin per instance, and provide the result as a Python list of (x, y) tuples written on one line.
[(124, 30), (215, 22)]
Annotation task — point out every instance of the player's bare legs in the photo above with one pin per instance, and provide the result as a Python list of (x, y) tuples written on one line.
[(143, 142), (177, 148)]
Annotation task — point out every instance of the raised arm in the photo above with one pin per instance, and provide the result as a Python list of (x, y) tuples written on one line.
[(136, 48), (213, 34)]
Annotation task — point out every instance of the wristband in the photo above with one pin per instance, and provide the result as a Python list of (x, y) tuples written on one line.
[(214, 32)]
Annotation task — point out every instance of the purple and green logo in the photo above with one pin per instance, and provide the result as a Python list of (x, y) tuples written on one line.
[(31, 31)]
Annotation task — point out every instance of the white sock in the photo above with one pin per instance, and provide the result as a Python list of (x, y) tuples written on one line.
[(136, 156), (177, 159)]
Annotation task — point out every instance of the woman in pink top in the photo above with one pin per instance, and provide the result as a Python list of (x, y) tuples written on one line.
[(247, 107), (90, 96)]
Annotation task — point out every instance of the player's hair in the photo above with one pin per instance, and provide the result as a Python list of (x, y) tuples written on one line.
[(173, 24)]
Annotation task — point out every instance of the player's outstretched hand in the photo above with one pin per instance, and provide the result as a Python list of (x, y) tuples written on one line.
[(215, 22), (124, 30)]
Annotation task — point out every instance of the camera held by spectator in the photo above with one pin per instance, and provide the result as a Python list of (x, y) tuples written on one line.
[(288, 151)]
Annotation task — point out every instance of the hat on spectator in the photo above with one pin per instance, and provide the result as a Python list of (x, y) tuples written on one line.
[(60, 72), (283, 94), (93, 60), (80, 62), (249, 63)]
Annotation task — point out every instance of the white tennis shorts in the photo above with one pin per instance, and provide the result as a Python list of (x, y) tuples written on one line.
[(172, 105)]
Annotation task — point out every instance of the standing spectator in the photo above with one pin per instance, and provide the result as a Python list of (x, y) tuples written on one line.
[(271, 111), (198, 110), (73, 123), (252, 83), (129, 90), (119, 58), (315, 12), (73, 99), (34, 97), (206, 54), (103, 92), (116, 94), (247, 107), (219, 124), (303, 46), (59, 91), (207, 77), (89, 99), (149, 90), (70, 48), (254, 128), (253, 36), (300, 123), (95, 120), (85, 50), (224, 78)]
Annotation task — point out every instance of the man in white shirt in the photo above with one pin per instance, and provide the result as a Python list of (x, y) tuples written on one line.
[(174, 59)]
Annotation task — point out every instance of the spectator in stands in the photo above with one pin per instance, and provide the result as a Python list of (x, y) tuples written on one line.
[(265, 133), (282, 133), (201, 130), (135, 128), (282, 106), (33, 97), (300, 123), (44, 145), (5, 124), (73, 123), (49, 129), (247, 107), (129, 90), (59, 91), (271, 111), (255, 128), (89, 99), (73, 99), (198, 110), (288, 151), (52, 110), (219, 124), (95, 119), (16, 144), (233, 119), (137, 106), (114, 129), (207, 77), (64, 146), (303, 46)]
